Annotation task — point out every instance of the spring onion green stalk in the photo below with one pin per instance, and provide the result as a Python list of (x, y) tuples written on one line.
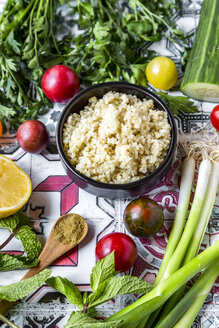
[(181, 214), (200, 289), (177, 257), (187, 175), (158, 296), (199, 197), (199, 232), (9, 323)]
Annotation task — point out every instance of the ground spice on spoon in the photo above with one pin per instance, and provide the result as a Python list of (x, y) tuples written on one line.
[(70, 229)]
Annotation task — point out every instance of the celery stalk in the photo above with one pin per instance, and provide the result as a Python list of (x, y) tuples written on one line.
[(158, 296), (198, 291)]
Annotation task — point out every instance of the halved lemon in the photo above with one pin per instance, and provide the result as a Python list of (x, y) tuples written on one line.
[(15, 187)]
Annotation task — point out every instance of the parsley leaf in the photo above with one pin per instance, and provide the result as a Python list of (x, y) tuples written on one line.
[(179, 103)]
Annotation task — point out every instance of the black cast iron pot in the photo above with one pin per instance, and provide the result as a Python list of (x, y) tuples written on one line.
[(115, 191)]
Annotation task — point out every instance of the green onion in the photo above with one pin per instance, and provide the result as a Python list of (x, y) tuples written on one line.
[(200, 289), (187, 176), (199, 232), (181, 214), (179, 253), (158, 296)]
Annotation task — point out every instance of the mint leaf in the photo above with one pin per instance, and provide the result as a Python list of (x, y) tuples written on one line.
[(177, 103), (20, 289), (12, 221), (118, 286), (81, 320), (67, 288), (30, 242), (103, 270), (11, 262)]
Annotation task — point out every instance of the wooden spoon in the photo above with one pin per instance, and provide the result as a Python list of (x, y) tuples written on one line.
[(52, 250)]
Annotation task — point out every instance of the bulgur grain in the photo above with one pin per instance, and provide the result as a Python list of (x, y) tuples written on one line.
[(117, 139)]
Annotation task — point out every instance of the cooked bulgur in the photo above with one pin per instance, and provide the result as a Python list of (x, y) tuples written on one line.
[(117, 139)]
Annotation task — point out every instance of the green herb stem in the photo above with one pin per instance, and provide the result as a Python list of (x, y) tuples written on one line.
[(5, 320), (10, 237), (16, 23)]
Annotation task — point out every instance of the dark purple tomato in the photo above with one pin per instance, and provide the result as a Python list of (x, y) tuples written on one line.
[(60, 83), (143, 217), (124, 248), (32, 136)]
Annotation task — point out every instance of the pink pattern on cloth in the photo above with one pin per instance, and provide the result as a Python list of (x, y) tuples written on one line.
[(62, 183), (69, 259)]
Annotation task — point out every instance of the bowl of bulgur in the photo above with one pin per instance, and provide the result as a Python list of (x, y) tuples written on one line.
[(116, 139)]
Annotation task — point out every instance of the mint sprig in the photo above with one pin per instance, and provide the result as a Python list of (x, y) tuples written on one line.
[(116, 287), (16, 262), (19, 290), (81, 320), (102, 271), (104, 285), (20, 226), (67, 288)]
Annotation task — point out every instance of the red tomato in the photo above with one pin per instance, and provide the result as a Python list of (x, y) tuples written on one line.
[(124, 248), (60, 83), (1, 129), (215, 117), (32, 136)]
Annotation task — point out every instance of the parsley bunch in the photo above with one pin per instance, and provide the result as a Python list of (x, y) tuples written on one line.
[(111, 44), (112, 34), (26, 41)]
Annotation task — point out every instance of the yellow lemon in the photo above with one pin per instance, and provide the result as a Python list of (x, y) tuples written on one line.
[(15, 187)]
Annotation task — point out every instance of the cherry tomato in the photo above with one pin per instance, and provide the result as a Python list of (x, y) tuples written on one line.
[(32, 136), (215, 117), (143, 217), (1, 129), (60, 83), (124, 248), (161, 72)]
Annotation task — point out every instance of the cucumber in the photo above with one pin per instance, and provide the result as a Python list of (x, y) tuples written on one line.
[(201, 79)]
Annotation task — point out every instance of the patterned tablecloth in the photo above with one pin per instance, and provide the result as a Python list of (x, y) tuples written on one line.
[(55, 194)]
